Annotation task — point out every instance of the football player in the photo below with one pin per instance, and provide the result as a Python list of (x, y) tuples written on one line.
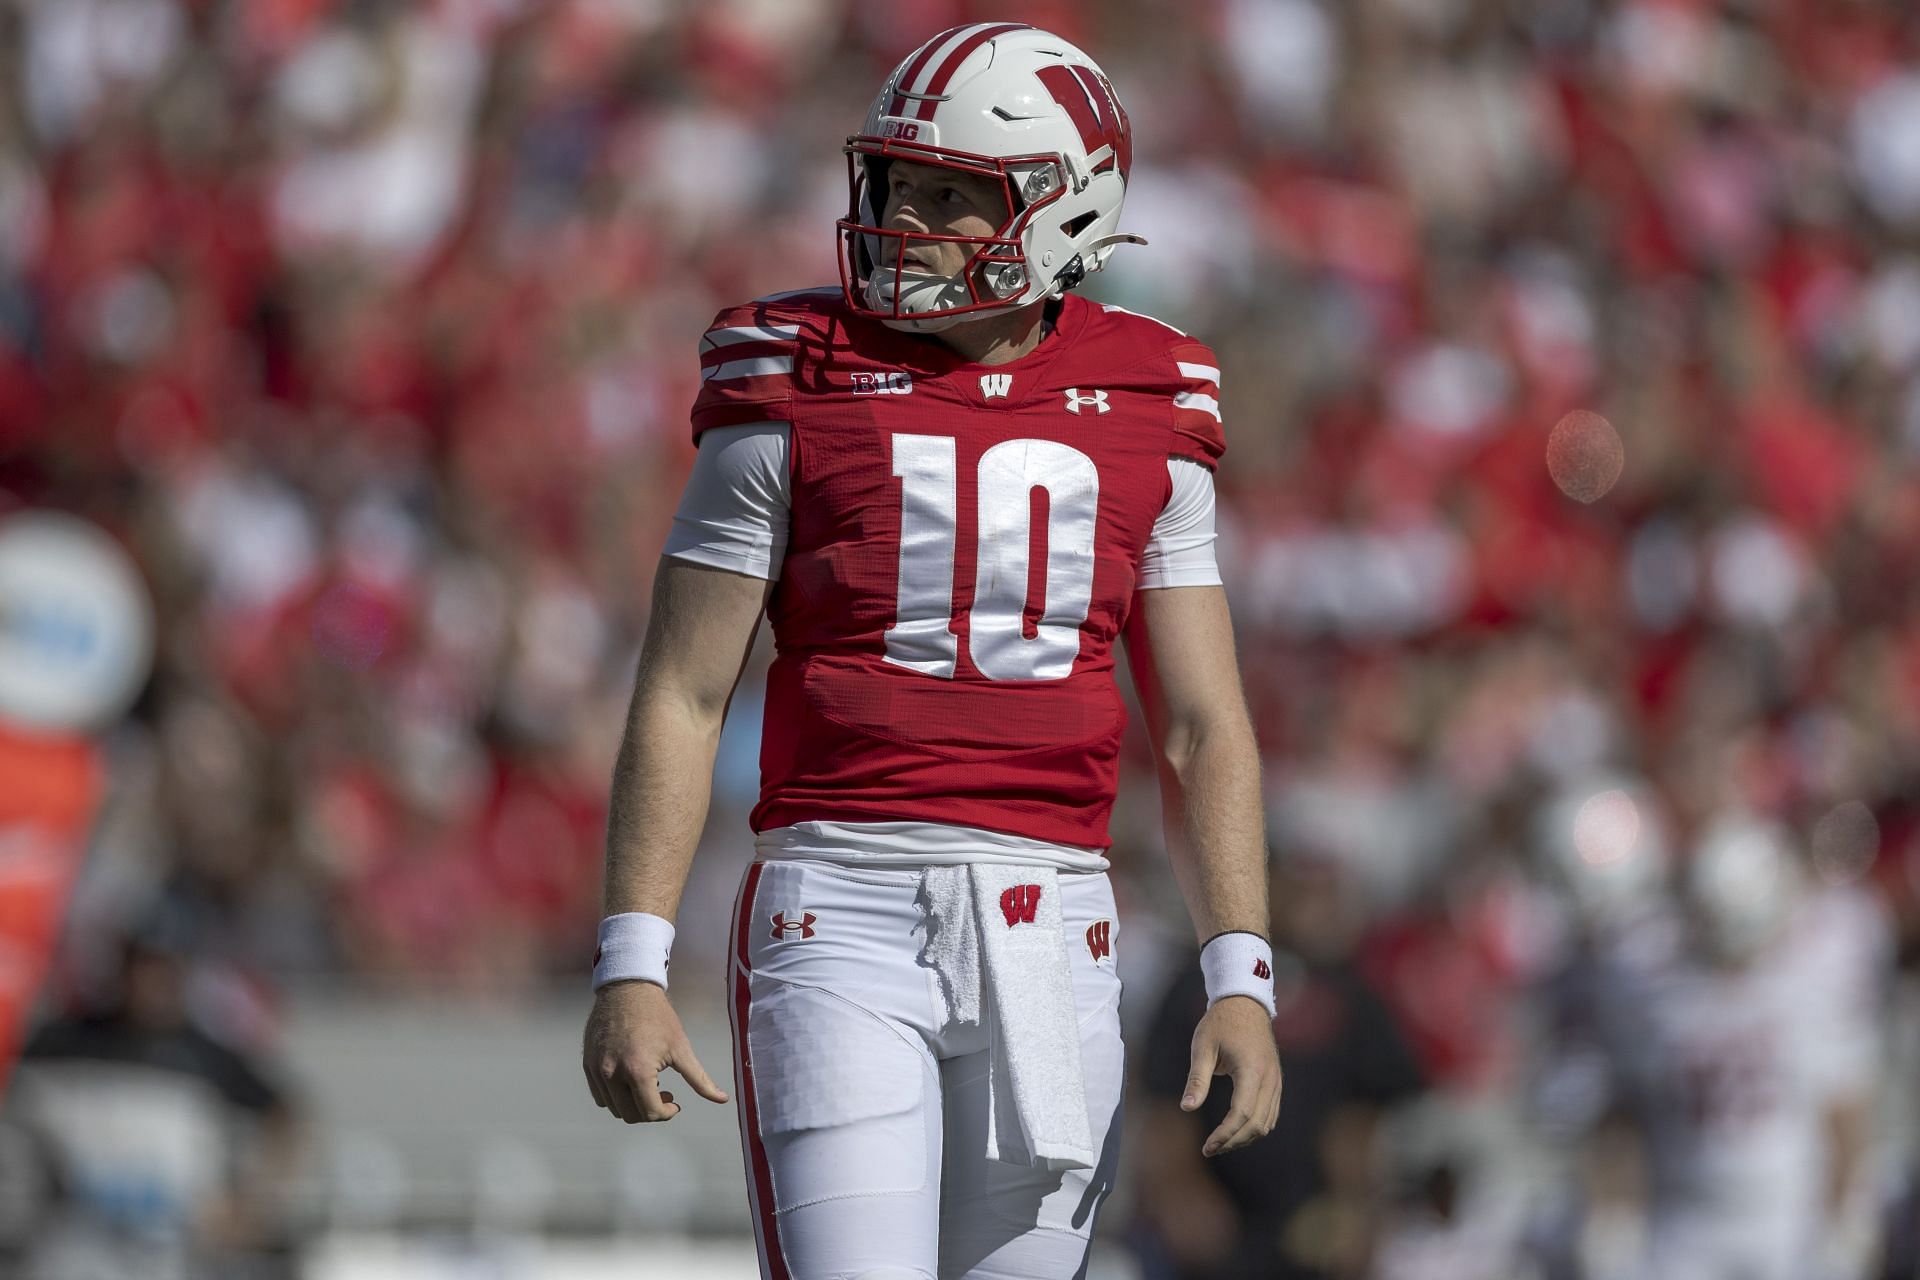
[(1748, 1055), (952, 484)]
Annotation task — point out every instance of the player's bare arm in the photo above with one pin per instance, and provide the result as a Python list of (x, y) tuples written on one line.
[(698, 636), (1180, 645)]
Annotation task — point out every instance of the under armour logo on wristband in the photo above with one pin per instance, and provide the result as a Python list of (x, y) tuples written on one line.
[(1019, 903), (783, 926), (1262, 970)]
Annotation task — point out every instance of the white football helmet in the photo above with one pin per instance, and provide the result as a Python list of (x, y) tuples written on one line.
[(1604, 842), (1012, 102), (1741, 885)]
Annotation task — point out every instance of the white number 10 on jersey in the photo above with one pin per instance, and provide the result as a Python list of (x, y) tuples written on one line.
[(920, 638)]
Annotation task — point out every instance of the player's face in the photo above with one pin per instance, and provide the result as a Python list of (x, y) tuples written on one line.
[(942, 202)]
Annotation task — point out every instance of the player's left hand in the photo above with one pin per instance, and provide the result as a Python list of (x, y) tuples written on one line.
[(1235, 1039)]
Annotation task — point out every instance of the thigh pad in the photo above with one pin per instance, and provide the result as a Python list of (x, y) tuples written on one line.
[(839, 1093)]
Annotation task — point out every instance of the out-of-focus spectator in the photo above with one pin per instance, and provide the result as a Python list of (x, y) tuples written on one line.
[(1304, 1204), (167, 1150)]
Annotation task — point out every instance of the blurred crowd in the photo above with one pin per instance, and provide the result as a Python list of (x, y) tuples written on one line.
[(368, 326)]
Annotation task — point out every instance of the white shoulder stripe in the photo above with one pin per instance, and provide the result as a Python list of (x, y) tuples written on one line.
[(1110, 306), (1197, 402), (1199, 372), (749, 333), (747, 368)]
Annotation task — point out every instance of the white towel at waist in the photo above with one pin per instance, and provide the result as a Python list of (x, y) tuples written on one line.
[(995, 938)]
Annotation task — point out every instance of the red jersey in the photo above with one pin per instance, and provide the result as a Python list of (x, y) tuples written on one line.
[(962, 552)]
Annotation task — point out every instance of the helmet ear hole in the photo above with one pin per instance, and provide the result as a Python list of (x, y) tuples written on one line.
[(1070, 275), (1074, 227)]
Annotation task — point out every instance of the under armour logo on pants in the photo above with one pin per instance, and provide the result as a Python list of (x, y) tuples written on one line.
[(783, 926)]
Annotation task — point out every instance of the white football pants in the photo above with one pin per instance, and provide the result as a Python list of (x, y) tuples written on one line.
[(1736, 1245), (864, 1119)]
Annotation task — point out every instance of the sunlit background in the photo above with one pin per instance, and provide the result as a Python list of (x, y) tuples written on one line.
[(1571, 521)]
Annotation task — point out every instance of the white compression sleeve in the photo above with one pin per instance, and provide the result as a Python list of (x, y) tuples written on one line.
[(1180, 551), (734, 511)]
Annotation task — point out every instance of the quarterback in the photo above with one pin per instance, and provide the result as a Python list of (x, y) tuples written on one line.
[(952, 484)]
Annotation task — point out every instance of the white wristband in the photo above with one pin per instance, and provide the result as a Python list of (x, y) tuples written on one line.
[(1238, 964), (633, 944)]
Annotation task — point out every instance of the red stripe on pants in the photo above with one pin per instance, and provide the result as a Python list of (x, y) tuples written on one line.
[(759, 1175)]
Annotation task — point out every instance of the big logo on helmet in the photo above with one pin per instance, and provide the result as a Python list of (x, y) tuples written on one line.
[(1019, 903), (1095, 110)]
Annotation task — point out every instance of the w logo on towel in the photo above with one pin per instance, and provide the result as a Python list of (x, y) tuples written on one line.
[(1019, 903), (1100, 939), (783, 926)]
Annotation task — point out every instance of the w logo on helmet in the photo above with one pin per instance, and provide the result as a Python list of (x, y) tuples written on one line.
[(1019, 903), (1095, 110), (1100, 940), (783, 926)]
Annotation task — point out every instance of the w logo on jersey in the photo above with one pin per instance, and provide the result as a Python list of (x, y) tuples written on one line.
[(1076, 402), (1100, 940), (783, 926), (1019, 903), (995, 384)]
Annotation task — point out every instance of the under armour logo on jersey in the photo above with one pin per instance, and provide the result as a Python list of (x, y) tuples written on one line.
[(1076, 401), (1262, 970), (883, 384), (1019, 903), (1100, 940), (995, 384), (783, 926)]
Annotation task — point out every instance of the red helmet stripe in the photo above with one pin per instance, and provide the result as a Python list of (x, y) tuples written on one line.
[(923, 110), (906, 81)]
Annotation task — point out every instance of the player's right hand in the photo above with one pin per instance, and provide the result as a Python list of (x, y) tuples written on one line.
[(632, 1035)]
